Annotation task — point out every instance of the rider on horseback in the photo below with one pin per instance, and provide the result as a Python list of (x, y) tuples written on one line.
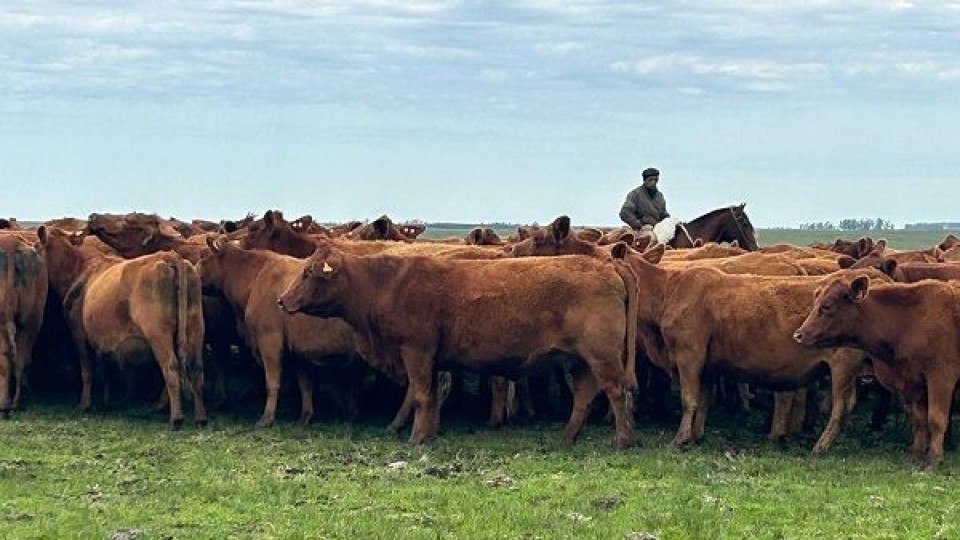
[(645, 206)]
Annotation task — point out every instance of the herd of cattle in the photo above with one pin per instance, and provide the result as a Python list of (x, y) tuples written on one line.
[(619, 313)]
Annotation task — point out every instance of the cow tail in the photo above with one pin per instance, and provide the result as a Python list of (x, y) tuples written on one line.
[(182, 343), (631, 284)]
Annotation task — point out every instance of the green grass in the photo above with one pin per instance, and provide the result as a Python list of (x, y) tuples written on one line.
[(899, 239), (123, 475)]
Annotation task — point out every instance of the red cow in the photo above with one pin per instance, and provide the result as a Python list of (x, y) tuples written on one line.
[(911, 331), (119, 308), (23, 293), (416, 315)]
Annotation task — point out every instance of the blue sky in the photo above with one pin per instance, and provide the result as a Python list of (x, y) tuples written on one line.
[(478, 111)]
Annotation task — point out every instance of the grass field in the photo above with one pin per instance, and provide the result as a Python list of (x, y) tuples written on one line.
[(122, 475), (899, 239)]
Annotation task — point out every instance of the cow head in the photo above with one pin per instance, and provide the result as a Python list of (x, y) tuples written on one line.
[(213, 267), (483, 236), (314, 291), (834, 317), (874, 259), (134, 234), (276, 234), (554, 239)]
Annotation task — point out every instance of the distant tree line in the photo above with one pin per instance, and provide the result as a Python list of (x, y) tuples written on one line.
[(850, 224), (943, 225), (468, 226)]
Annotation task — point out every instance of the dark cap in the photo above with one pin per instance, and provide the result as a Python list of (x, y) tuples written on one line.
[(650, 172)]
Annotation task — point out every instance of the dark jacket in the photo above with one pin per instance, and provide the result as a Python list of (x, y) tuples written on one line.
[(641, 209)]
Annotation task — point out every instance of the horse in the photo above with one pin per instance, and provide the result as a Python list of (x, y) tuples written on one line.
[(721, 225)]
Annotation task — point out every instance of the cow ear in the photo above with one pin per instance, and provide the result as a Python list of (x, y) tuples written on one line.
[(560, 228), (214, 243), (655, 254), (268, 218), (845, 261), (858, 289), (889, 266), (880, 245), (619, 250), (43, 235), (382, 225), (864, 245), (698, 242)]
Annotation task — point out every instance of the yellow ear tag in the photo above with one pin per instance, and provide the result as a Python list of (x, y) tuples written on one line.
[(327, 268)]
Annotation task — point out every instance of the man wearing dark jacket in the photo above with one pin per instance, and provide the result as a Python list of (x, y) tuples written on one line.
[(645, 205)]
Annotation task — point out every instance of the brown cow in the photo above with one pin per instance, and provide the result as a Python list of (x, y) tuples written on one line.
[(912, 332), (23, 293), (136, 234), (119, 308), (419, 314), (382, 228), (908, 272), (274, 233), (698, 322), (483, 236), (133, 235), (9, 224), (251, 280)]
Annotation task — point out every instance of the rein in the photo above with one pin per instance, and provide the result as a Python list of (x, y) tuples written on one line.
[(683, 227), (743, 234)]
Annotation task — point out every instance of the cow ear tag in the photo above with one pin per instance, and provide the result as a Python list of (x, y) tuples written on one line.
[(327, 269)]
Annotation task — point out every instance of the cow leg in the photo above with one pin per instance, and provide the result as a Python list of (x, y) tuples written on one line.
[(525, 397), (585, 389), (917, 408), (421, 377), (24, 350), (305, 382), (170, 367), (843, 396), (691, 396), (5, 369), (782, 403), (196, 381), (700, 417), (403, 413), (270, 356), (86, 377), (939, 400), (499, 396)]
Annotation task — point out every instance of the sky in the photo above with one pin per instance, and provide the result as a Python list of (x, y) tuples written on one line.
[(480, 111)]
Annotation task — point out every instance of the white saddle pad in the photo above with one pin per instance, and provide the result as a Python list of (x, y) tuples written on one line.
[(666, 230)]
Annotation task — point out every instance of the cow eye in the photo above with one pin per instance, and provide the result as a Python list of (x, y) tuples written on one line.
[(307, 272)]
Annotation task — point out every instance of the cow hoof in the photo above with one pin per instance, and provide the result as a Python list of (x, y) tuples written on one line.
[(419, 440), (176, 424), (264, 423), (623, 444), (306, 419), (5, 414), (200, 422), (392, 429)]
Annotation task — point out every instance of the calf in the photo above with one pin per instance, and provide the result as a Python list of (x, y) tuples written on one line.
[(911, 331), (23, 293), (508, 316), (119, 308)]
